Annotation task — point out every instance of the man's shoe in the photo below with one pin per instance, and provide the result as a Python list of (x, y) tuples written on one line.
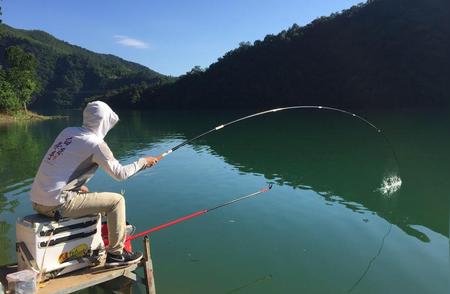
[(126, 258)]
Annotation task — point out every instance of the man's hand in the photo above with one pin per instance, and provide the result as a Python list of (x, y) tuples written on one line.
[(151, 161), (84, 189)]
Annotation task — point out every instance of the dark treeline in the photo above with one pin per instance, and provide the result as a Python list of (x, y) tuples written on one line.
[(69, 74), (384, 53)]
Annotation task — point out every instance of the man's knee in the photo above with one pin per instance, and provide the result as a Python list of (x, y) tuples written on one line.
[(117, 199)]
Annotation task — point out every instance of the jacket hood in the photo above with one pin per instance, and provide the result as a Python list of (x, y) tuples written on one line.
[(99, 118)]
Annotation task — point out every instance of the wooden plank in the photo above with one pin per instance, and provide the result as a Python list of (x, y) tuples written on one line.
[(121, 285), (84, 279), (148, 268), (89, 277)]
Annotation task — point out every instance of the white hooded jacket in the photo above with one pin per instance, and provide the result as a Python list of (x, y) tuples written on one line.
[(76, 154)]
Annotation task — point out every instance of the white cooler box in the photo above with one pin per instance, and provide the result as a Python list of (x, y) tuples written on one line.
[(76, 243)]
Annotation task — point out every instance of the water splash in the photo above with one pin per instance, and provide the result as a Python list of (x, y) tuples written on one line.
[(390, 185)]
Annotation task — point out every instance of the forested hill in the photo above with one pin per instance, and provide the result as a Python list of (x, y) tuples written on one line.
[(70, 74), (384, 53)]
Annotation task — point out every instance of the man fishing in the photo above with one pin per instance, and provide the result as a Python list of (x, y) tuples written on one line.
[(58, 189)]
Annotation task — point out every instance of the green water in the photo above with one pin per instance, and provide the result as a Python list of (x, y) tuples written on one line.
[(323, 228)]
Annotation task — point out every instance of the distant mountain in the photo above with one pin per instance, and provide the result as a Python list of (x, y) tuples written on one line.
[(383, 53), (70, 74)]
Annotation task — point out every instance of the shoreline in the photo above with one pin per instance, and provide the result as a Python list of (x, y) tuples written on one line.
[(28, 116)]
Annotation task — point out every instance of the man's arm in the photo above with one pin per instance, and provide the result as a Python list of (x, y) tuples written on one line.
[(105, 158)]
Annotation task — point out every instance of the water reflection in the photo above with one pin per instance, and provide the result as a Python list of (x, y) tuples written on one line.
[(341, 159), (321, 164)]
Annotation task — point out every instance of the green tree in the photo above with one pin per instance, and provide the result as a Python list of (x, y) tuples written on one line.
[(20, 75), (196, 70), (8, 99)]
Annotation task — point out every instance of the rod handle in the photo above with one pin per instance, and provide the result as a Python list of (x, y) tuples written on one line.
[(159, 157)]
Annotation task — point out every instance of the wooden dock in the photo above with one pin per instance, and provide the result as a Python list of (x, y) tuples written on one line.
[(93, 276)]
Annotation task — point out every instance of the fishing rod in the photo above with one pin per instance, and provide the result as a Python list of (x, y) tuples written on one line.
[(198, 213), (164, 154)]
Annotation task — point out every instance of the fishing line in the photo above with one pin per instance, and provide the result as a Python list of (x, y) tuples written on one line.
[(369, 265), (261, 279)]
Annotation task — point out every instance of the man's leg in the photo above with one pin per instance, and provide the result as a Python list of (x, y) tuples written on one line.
[(111, 204)]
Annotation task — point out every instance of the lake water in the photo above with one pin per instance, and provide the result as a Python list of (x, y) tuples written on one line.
[(323, 228)]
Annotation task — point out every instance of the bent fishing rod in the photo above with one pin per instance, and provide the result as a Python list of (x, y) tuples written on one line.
[(198, 213), (164, 154)]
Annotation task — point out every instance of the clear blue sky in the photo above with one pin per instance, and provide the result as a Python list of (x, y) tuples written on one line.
[(168, 36)]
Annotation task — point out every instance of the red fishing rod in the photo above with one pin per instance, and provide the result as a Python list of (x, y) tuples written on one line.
[(198, 213)]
